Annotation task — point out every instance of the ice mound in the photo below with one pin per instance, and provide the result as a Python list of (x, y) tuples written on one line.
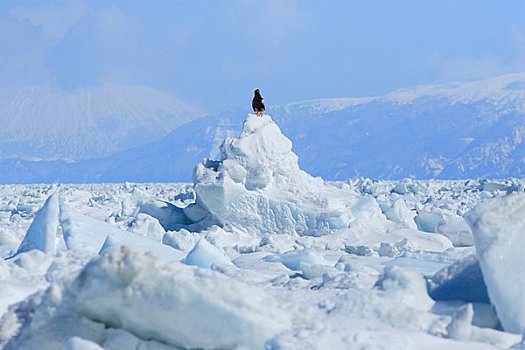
[(148, 226), (151, 299), (295, 260), (235, 242), (399, 212), (396, 243), (450, 225), (498, 227), (258, 187), (310, 263), (182, 240), (406, 286), (460, 327), (205, 254), (117, 238)]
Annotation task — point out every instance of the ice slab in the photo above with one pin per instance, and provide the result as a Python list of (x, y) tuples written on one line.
[(176, 304), (82, 232), (119, 238), (498, 226), (42, 234), (205, 254)]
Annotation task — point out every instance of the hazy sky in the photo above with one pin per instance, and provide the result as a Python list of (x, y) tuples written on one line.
[(213, 53)]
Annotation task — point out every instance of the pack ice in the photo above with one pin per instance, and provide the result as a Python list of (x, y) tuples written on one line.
[(152, 299), (258, 254)]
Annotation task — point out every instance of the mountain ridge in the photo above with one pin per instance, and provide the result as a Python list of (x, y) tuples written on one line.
[(85, 123), (468, 130)]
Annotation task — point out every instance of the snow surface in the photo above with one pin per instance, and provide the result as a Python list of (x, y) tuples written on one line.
[(256, 253)]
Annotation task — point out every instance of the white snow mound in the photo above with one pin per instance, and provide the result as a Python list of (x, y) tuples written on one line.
[(258, 187), (175, 304), (498, 227), (150, 299), (205, 254)]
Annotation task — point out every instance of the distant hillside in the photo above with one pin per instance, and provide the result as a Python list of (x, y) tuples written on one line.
[(446, 131), (461, 130), (41, 123)]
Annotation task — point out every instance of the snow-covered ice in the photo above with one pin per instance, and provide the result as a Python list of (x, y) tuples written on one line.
[(499, 233), (204, 254), (256, 253), (258, 186), (42, 233)]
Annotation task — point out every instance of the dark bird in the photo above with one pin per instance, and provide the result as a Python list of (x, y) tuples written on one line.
[(258, 103)]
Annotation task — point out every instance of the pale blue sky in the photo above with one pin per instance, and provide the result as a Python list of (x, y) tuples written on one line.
[(213, 53)]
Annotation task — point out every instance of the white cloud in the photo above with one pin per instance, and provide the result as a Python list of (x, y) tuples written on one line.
[(492, 63), (276, 21), (55, 21), (466, 68), (460, 68)]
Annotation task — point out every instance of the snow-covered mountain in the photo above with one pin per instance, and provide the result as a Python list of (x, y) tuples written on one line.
[(460, 130), (446, 131), (46, 123)]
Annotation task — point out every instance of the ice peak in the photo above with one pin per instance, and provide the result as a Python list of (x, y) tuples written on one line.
[(258, 186), (262, 152), (254, 122)]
